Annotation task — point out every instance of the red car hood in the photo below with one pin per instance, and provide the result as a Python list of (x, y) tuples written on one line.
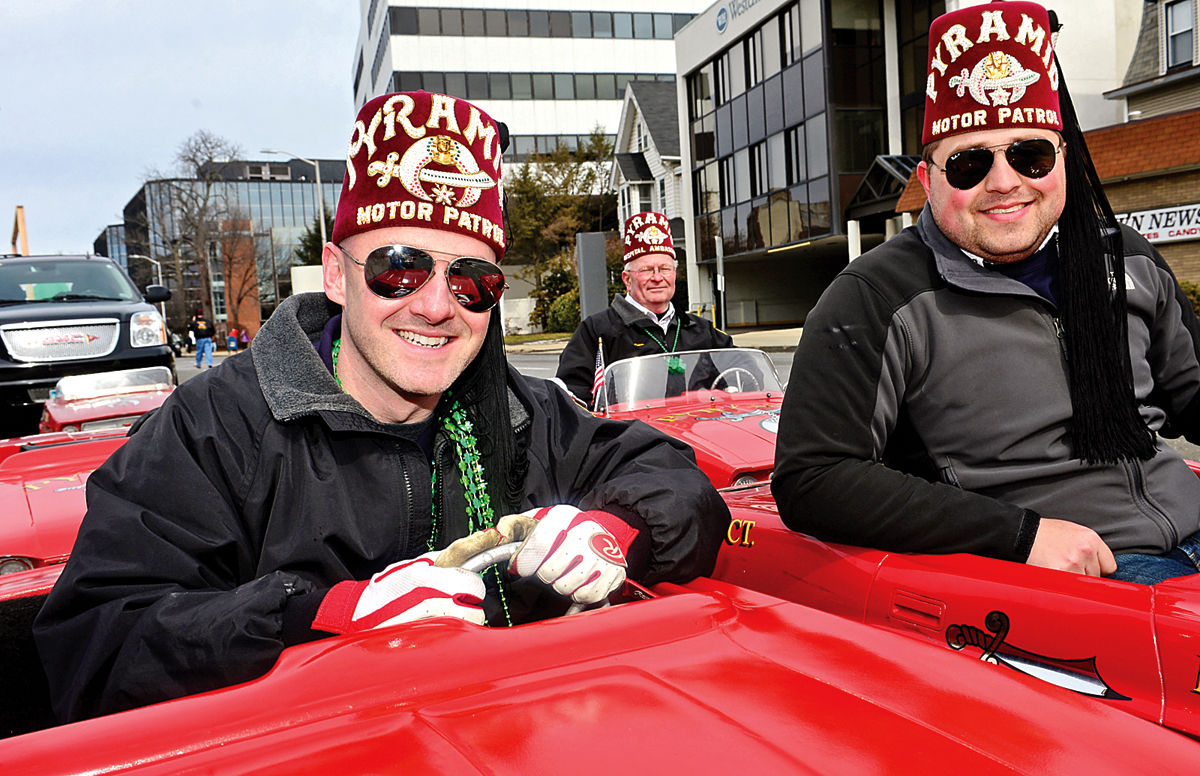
[(42, 482), (732, 435), (707, 681)]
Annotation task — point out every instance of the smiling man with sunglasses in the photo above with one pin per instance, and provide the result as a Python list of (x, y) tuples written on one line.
[(994, 379), (311, 485)]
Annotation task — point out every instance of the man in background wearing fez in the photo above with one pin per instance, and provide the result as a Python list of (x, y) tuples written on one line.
[(994, 379), (308, 489), (643, 321)]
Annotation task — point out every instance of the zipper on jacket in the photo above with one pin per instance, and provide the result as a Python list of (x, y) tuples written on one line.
[(1061, 333), (1144, 504)]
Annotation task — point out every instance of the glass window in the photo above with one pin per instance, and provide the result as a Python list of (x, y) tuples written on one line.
[(477, 86), (560, 24), (451, 21), (606, 86), (522, 86), (500, 89), (700, 91), (1179, 33), (741, 175), (758, 169), (622, 25), (564, 86), (403, 21), (585, 86), (456, 84), (777, 162), (662, 26), (752, 58), (724, 130), (860, 138), (795, 155), (473, 22), (408, 82), (428, 21), (581, 24), (798, 213), (756, 115), (773, 105), (543, 86), (736, 62), (518, 23), (524, 145), (741, 136), (817, 146), (770, 50), (495, 24), (643, 25), (814, 84), (602, 24), (819, 208), (810, 25), (679, 21), (539, 24), (434, 82), (729, 240)]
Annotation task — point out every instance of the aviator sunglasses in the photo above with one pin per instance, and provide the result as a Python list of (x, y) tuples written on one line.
[(395, 271), (1031, 158)]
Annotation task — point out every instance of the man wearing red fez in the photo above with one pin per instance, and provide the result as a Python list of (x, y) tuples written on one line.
[(995, 379), (643, 321), (333, 477)]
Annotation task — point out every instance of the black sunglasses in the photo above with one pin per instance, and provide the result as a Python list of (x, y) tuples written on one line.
[(1032, 158), (395, 271)]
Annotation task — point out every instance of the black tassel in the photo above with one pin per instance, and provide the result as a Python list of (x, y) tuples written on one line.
[(1106, 425)]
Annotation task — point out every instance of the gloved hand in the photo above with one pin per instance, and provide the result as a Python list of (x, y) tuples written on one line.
[(405, 591), (577, 553)]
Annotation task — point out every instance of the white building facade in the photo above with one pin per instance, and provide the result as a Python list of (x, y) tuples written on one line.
[(553, 71)]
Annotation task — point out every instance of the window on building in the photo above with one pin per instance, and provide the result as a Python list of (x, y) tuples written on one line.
[(622, 25), (1179, 33), (752, 58), (495, 23), (581, 24), (661, 204), (518, 24), (602, 24), (451, 21), (560, 24), (564, 86), (543, 86), (539, 24), (585, 86), (606, 86), (477, 86), (643, 25), (403, 21), (473, 22), (522, 86), (663, 27), (500, 88)]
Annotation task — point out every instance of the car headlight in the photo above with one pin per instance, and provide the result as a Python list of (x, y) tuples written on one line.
[(147, 329), (12, 564)]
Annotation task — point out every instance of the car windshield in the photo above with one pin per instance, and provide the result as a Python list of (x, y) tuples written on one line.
[(52, 280), (649, 381), (91, 386)]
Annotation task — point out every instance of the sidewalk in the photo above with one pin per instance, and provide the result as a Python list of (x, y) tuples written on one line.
[(770, 340)]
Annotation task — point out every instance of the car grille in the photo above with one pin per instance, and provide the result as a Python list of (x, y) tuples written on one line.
[(60, 340)]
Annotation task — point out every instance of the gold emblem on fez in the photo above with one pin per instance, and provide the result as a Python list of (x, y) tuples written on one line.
[(414, 172), (997, 79), (652, 235)]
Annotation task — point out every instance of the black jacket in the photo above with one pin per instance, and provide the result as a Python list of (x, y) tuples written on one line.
[(626, 333), (260, 483)]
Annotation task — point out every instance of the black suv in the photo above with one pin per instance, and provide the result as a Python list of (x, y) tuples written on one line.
[(70, 315)]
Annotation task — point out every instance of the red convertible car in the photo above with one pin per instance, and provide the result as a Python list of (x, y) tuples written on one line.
[(724, 403), (105, 399), (704, 678)]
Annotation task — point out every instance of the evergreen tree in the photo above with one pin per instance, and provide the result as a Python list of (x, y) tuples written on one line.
[(310, 248)]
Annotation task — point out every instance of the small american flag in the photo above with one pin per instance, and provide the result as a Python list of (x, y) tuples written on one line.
[(598, 378)]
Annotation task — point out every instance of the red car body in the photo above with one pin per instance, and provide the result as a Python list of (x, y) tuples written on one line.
[(725, 405), (105, 400), (1132, 647), (706, 678)]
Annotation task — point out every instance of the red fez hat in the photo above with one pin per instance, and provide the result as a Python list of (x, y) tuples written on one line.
[(423, 159), (990, 67), (647, 233)]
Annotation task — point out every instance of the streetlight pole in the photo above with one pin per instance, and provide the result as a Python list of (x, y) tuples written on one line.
[(320, 196), (162, 306)]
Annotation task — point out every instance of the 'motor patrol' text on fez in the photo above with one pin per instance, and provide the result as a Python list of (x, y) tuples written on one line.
[(990, 67)]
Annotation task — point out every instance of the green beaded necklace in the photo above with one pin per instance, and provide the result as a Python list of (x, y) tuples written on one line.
[(480, 515), (674, 363)]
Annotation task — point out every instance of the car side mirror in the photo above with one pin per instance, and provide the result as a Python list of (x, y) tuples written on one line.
[(155, 294)]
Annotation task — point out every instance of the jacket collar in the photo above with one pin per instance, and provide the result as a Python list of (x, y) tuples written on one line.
[(960, 270)]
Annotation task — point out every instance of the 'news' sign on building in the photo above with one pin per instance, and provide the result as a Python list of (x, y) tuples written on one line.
[(1168, 224)]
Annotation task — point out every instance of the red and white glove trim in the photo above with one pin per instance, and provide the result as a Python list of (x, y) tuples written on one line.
[(405, 591), (581, 555)]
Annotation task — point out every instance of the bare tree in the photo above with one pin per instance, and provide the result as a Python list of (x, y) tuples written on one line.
[(178, 220)]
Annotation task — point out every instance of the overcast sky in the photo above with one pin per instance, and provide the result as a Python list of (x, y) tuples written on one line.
[(94, 94)]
